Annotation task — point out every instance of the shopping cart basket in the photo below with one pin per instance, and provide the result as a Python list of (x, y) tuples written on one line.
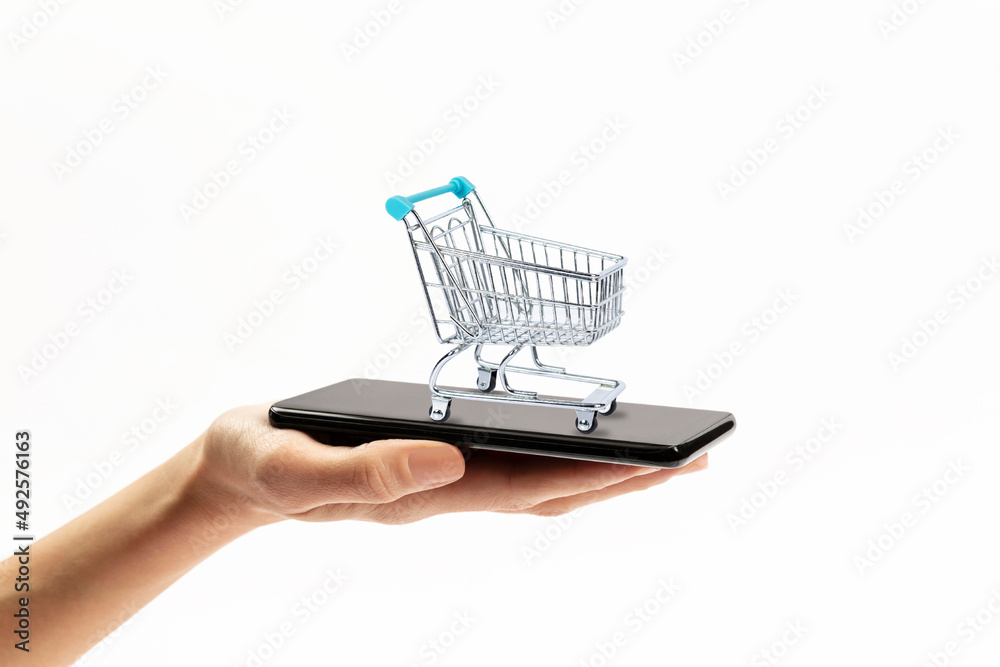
[(486, 286)]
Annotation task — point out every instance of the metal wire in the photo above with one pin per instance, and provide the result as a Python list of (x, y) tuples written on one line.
[(506, 288), (495, 287)]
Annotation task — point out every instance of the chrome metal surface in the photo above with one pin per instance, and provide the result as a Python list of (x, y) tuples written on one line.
[(487, 286)]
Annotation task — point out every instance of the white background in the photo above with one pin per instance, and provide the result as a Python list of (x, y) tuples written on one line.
[(794, 558)]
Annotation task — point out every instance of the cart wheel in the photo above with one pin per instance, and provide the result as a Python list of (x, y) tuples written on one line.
[(610, 410), (487, 380), (440, 410), (586, 422)]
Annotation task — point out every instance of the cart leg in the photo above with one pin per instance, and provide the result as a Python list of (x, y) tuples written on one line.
[(544, 367), (502, 374), (441, 405), (451, 354), (487, 381), (440, 408), (586, 421)]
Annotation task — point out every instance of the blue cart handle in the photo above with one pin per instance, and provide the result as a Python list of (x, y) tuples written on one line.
[(398, 207)]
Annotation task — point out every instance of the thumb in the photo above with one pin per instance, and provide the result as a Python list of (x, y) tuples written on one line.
[(384, 470)]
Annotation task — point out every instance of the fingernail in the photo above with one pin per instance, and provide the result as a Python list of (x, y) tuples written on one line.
[(436, 464)]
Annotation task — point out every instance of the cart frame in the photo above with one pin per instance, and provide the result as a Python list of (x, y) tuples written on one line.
[(496, 287)]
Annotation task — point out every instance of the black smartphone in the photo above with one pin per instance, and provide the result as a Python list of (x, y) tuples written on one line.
[(357, 411)]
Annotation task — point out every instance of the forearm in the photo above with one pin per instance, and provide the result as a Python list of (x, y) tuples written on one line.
[(92, 574)]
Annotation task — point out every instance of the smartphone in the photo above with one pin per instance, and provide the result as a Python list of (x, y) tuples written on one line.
[(356, 411)]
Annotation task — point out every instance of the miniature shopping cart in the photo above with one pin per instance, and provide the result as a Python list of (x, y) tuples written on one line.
[(486, 286)]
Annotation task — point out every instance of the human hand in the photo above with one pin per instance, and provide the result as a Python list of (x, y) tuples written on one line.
[(241, 474), (285, 474)]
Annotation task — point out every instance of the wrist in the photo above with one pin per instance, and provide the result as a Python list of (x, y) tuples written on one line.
[(224, 511)]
